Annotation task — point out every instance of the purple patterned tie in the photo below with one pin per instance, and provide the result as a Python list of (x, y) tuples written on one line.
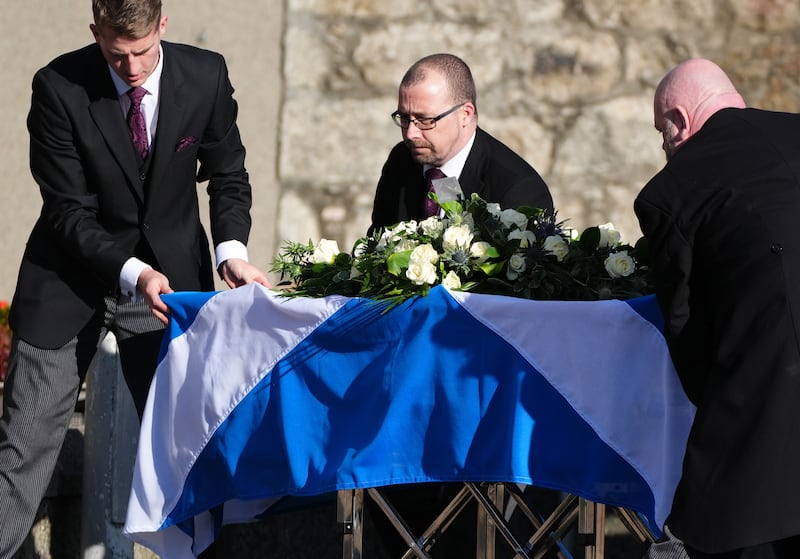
[(431, 208), (136, 121)]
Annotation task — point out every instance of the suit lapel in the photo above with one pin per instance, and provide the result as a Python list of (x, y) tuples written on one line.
[(471, 179), (170, 114), (107, 115)]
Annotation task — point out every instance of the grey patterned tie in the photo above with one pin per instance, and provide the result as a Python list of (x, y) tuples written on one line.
[(431, 208), (136, 121)]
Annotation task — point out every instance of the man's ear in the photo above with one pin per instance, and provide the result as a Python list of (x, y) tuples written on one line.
[(680, 118), (468, 111)]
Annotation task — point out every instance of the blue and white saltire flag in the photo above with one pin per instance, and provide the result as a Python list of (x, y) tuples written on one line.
[(259, 396)]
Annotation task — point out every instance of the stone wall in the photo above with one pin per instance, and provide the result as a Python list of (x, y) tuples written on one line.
[(33, 32), (566, 83)]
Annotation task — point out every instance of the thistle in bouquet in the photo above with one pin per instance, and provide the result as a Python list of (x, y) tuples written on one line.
[(5, 339)]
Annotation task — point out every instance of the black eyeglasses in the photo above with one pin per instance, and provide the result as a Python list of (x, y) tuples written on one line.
[(423, 123)]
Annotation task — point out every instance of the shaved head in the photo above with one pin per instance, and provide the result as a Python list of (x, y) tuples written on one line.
[(687, 97)]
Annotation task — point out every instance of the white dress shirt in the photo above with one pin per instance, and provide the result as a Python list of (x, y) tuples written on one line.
[(133, 267), (454, 166)]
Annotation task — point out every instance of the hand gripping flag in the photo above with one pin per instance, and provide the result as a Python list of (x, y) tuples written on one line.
[(259, 396)]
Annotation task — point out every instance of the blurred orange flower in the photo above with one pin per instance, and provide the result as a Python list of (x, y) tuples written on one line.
[(5, 338)]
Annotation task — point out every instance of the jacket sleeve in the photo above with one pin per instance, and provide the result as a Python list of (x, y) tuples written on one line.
[(671, 256), (221, 156)]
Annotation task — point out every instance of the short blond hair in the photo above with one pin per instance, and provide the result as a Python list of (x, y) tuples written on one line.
[(130, 18)]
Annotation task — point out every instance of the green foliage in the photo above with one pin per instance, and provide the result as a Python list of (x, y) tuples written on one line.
[(520, 253)]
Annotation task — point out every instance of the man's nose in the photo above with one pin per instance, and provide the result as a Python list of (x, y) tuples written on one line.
[(411, 131)]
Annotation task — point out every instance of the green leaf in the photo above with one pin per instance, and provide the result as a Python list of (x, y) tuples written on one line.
[(453, 207), (590, 239), (491, 268), (398, 262)]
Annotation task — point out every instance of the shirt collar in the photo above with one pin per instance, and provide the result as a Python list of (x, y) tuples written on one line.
[(152, 82)]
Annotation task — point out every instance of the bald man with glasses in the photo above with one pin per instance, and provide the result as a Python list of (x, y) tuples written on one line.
[(438, 117)]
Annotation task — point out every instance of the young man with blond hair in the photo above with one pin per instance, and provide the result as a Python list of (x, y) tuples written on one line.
[(117, 130)]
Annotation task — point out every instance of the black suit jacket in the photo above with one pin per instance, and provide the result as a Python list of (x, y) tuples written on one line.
[(99, 209), (492, 170), (722, 219)]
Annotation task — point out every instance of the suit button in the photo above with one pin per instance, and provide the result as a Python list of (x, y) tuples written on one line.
[(776, 249), (142, 177)]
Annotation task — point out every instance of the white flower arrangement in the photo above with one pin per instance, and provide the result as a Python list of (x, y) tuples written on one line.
[(521, 252)]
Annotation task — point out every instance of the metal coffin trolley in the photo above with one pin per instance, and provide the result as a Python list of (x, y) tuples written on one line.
[(544, 536)]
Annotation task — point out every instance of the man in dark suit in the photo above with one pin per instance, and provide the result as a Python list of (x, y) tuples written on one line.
[(722, 222), (119, 226), (438, 116)]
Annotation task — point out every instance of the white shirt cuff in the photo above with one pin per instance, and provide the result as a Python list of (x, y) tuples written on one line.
[(129, 277), (230, 249)]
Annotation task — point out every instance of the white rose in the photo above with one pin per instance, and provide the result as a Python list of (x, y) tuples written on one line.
[(526, 237), (557, 246), (516, 265), (457, 236), (451, 280), (432, 227), (609, 236), (619, 264), (493, 208), (424, 253), (478, 251), (420, 272), (325, 252), (513, 217)]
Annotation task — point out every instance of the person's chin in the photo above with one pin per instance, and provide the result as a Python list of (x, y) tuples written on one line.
[(421, 155)]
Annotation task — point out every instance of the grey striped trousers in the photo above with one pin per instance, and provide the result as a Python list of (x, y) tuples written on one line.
[(667, 547), (39, 399)]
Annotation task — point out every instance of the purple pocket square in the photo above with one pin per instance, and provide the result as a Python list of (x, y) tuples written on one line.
[(184, 143)]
